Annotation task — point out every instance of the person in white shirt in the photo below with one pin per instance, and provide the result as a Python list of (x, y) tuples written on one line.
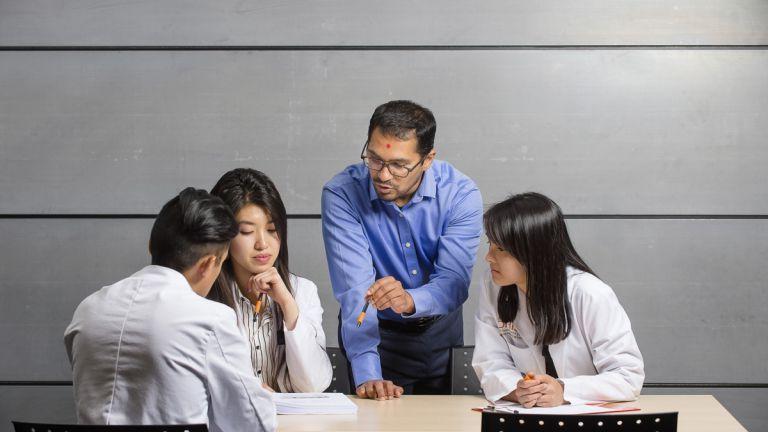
[(543, 312), (278, 312), (150, 349)]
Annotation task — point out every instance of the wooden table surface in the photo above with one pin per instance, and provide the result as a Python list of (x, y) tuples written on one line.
[(698, 413)]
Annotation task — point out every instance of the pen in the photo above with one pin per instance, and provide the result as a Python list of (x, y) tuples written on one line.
[(527, 376), (361, 317)]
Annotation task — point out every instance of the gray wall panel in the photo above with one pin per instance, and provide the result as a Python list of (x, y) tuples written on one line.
[(605, 131), (52, 404), (455, 22), (675, 278), (42, 291), (695, 291)]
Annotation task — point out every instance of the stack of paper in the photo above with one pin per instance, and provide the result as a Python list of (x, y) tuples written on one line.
[(314, 403)]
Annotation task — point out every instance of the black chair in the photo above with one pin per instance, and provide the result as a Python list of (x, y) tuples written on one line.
[(45, 427), (463, 378), (494, 421), (340, 383)]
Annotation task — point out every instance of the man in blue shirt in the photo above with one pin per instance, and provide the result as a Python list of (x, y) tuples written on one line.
[(401, 231)]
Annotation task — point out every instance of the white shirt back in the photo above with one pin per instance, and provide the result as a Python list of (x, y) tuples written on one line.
[(149, 350)]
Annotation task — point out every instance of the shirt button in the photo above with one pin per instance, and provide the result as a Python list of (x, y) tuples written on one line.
[(408, 244), (414, 271), (402, 215)]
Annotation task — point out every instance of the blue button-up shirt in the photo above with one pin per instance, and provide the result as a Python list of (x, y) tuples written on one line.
[(429, 245)]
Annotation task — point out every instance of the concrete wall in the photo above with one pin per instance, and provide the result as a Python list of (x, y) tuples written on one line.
[(645, 120)]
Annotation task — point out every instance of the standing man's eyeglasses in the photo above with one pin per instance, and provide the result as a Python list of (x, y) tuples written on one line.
[(396, 169)]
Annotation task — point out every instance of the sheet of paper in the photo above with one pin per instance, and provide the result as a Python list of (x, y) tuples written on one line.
[(583, 407), (562, 409), (314, 403)]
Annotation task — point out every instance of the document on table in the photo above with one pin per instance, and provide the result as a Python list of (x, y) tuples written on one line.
[(313, 403), (581, 407)]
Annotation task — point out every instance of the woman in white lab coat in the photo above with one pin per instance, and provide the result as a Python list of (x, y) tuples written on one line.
[(278, 312), (544, 313)]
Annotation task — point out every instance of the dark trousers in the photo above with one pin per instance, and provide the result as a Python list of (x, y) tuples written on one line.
[(417, 358)]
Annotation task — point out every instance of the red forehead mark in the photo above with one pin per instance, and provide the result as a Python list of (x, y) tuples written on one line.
[(389, 145)]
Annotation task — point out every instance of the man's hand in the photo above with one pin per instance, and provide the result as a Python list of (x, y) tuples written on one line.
[(389, 293), (379, 390)]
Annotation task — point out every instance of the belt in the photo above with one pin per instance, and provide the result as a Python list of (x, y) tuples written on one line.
[(417, 325)]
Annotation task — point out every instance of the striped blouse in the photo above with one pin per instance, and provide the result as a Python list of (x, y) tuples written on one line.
[(297, 363)]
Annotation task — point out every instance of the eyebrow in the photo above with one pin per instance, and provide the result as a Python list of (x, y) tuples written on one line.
[(401, 161), (254, 224)]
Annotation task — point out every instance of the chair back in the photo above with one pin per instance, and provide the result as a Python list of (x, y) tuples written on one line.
[(463, 378), (340, 383), (507, 422)]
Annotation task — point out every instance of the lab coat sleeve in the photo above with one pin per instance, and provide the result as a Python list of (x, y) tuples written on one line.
[(69, 336), (308, 364), (238, 402), (615, 354), (492, 361)]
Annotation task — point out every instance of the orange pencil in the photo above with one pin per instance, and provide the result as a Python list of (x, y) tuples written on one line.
[(257, 306), (527, 376), (361, 317)]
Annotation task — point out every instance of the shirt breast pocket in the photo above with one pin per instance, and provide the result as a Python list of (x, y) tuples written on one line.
[(513, 339)]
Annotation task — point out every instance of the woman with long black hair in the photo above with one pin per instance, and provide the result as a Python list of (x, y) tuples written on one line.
[(544, 313), (279, 312)]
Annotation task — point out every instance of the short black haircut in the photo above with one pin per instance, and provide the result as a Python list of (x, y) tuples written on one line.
[(401, 118), (190, 226)]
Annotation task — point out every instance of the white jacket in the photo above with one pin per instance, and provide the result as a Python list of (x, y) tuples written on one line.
[(598, 361), (149, 350)]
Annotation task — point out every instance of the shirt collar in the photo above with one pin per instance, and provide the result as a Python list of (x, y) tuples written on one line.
[(427, 188), (173, 278), (236, 291)]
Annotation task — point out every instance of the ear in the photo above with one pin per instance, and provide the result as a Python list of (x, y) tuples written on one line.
[(206, 265), (428, 159)]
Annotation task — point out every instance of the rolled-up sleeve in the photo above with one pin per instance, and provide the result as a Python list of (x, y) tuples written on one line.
[(351, 270)]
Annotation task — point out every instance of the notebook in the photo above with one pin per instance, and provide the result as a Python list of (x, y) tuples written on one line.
[(314, 403)]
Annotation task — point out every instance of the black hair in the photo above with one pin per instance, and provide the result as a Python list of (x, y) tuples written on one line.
[(239, 188), (190, 226), (531, 228), (401, 118)]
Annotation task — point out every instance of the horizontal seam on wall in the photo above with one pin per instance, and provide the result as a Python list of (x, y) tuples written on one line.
[(318, 216), (377, 47)]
